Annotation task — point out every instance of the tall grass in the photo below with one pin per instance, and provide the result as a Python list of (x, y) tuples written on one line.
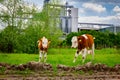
[(64, 56)]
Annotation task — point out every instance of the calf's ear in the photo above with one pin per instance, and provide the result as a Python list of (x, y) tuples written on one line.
[(39, 41), (49, 41), (80, 40)]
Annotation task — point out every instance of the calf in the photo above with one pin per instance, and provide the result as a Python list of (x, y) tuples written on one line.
[(43, 44), (84, 45)]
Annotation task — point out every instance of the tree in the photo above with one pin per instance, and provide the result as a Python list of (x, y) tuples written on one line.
[(1, 0), (14, 13), (24, 38), (48, 20)]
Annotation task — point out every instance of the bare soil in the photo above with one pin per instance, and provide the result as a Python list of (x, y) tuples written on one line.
[(67, 76), (40, 71)]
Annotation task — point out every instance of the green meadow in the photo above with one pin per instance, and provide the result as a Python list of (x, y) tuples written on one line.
[(64, 56)]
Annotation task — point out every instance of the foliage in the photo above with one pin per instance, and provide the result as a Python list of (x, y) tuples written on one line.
[(8, 39), (47, 23), (14, 15), (15, 12), (22, 32), (102, 39), (1, 0)]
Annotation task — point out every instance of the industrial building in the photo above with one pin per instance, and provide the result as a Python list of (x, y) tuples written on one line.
[(98, 27), (69, 21), (68, 17)]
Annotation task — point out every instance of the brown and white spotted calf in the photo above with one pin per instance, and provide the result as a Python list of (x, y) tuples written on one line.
[(84, 45), (43, 44)]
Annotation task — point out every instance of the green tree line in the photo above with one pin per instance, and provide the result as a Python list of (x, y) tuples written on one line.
[(102, 39), (26, 42)]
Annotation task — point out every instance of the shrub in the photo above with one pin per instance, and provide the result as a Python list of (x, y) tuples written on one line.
[(102, 39)]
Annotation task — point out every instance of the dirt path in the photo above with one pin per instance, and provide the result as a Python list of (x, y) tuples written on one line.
[(67, 76)]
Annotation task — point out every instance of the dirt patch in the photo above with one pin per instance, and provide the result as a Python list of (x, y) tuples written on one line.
[(44, 71), (68, 76), (34, 66), (90, 67)]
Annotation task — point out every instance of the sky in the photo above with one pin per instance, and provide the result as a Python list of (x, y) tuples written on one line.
[(98, 11), (92, 11)]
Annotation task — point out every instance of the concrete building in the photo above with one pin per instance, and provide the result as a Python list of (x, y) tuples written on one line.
[(69, 21), (68, 17)]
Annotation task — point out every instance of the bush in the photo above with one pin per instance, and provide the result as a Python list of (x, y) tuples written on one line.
[(13, 40), (102, 39), (8, 39)]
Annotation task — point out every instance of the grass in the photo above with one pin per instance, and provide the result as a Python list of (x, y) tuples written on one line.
[(64, 56)]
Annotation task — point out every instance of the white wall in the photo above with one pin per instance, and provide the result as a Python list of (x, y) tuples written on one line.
[(74, 15)]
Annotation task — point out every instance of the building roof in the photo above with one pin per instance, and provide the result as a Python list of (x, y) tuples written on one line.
[(93, 26)]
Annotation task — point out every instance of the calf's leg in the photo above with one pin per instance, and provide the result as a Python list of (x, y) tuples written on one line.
[(45, 56), (40, 56), (84, 55), (76, 55)]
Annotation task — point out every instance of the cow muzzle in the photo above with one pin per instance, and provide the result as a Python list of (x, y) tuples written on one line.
[(73, 47)]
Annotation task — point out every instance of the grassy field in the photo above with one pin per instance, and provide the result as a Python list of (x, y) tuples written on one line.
[(64, 56)]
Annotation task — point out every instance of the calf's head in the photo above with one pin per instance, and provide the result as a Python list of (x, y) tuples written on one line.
[(44, 42), (74, 41), (77, 40)]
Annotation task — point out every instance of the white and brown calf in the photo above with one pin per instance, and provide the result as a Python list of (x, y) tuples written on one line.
[(43, 44), (84, 45)]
